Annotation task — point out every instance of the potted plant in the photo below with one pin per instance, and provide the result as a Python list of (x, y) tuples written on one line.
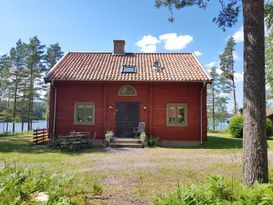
[(143, 138), (108, 136)]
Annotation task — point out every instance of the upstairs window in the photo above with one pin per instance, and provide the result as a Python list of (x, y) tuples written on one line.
[(84, 113), (127, 90), (129, 69)]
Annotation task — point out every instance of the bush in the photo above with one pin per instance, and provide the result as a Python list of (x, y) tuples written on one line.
[(152, 141), (20, 185), (269, 127), (218, 191), (236, 126)]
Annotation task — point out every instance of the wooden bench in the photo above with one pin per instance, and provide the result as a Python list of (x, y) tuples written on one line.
[(76, 140)]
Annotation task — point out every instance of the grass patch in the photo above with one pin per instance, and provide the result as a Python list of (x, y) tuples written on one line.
[(218, 190), (226, 141), (127, 174), (20, 134), (222, 141)]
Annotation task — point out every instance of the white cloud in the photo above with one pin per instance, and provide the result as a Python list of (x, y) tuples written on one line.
[(235, 55), (174, 42), (211, 64), (238, 77), (148, 44), (197, 53), (239, 35)]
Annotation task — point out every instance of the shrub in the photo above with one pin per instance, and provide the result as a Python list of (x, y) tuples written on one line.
[(20, 185), (152, 141), (269, 127), (97, 190), (236, 126), (218, 191)]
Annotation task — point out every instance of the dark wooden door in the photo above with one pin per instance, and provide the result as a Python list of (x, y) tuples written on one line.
[(127, 118)]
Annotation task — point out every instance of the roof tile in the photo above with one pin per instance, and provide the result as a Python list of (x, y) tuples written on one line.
[(104, 66)]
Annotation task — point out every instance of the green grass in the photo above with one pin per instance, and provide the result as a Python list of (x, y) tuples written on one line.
[(158, 170), (22, 134), (226, 142)]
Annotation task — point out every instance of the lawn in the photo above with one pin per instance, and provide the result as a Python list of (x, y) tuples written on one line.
[(129, 176)]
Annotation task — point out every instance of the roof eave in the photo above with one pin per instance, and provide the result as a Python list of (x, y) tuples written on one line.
[(46, 78)]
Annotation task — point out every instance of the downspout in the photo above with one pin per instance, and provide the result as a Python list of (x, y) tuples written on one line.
[(54, 110), (201, 114)]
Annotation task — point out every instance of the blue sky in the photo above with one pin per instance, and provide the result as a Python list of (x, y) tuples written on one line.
[(92, 25)]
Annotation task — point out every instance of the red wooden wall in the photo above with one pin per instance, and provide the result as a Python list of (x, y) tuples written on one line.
[(154, 96)]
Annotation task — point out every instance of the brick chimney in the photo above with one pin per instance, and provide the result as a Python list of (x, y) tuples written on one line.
[(119, 47)]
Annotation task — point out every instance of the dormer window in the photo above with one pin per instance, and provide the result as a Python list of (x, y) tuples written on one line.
[(129, 69), (157, 66)]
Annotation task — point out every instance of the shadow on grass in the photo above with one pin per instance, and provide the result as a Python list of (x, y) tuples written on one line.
[(24, 145), (215, 142)]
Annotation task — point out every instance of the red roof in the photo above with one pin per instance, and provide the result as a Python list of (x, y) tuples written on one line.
[(104, 66)]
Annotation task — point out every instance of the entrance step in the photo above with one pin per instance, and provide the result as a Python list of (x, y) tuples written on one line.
[(126, 142)]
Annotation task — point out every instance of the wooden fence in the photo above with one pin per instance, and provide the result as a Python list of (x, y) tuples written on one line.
[(40, 136)]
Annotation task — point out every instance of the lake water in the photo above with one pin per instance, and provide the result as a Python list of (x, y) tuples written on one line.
[(18, 126)]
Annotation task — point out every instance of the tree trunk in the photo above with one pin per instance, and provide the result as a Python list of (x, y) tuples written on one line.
[(234, 95), (255, 162), (213, 107), (22, 126), (14, 105)]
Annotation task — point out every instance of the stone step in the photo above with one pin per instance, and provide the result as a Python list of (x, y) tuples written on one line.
[(127, 145), (126, 142)]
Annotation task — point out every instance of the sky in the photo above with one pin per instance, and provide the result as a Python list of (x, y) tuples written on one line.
[(91, 25)]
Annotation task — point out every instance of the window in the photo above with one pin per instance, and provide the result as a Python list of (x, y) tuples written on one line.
[(127, 90), (176, 114), (84, 113), (128, 69)]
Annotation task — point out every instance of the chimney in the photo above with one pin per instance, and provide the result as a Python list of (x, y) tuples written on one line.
[(119, 47)]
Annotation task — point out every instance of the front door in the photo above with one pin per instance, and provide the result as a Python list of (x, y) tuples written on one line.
[(127, 118)]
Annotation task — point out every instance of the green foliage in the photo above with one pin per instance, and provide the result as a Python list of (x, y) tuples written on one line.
[(269, 62), (268, 14), (21, 81), (218, 191), (143, 137), (97, 189), (20, 185), (53, 54), (217, 105), (236, 126), (108, 135), (152, 141), (269, 127), (227, 17)]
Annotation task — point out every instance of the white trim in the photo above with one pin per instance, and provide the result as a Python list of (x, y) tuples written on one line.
[(204, 70), (46, 76)]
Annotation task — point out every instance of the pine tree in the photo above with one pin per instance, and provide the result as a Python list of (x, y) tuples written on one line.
[(35, 70), (213, 90), (227, 68), (255, 161), (18, 65), (4, 88), (53, 55)]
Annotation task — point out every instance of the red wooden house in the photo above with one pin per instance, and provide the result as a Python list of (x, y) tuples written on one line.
[(99, 91)]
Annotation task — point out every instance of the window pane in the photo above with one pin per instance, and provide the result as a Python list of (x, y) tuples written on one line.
[(127, 90), (84, 113), (176, 114)]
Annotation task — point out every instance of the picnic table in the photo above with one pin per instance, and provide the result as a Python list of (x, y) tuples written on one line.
[(76, 140)]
